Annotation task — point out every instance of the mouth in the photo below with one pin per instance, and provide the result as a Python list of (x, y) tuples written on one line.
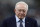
[(21, 16)]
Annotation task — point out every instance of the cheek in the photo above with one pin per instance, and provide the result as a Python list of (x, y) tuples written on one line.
[(17, 12), (25, 13)]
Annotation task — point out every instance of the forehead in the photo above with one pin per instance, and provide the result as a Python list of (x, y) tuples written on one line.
[(21, 6)]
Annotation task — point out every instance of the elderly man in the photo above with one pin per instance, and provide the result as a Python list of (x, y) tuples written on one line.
[(20, 19)]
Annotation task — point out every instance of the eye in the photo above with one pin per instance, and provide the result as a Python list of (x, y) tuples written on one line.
[(23, 11), (19, 10)]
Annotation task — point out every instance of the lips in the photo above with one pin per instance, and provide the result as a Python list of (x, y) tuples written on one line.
[(21, 15)]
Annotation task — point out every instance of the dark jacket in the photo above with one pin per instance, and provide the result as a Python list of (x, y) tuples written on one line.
[(11, 22)]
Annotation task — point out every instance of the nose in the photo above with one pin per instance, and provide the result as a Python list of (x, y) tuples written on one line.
[(21, 12)]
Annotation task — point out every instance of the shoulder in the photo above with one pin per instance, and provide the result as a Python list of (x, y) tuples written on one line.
[(9, 19), (31, 19)]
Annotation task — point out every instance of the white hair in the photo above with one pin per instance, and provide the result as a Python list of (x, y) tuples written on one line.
[(22, 2)]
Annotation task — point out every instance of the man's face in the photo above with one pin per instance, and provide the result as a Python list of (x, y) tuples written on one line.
[(21, 11)]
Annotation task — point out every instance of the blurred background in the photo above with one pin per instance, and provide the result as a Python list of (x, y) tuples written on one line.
[(7, 9)]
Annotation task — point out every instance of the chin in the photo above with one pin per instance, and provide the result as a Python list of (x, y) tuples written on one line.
[(21, 17)]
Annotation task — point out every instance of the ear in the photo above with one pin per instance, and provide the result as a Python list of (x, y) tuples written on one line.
[(14, 10)]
